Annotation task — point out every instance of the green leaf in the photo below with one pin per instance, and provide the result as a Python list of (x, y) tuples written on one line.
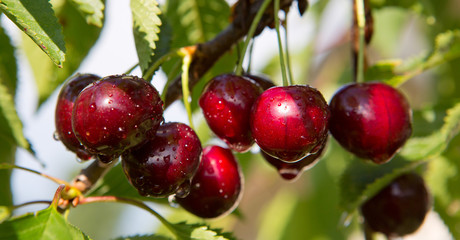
[(433, 145), (92, 10), (144, 237), (46, 224), (200, 232), (396, 72), (80, 38), (115, 183), (5, 213), (11, 124), (36, 18), (362, 180), (146, 27), (195, 21), (8, 66)]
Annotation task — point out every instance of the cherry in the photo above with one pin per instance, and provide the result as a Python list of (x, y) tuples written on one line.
[(290, 122), (217, 186), (399, 208), (226, 102), (63, 114), (116, 113), (263, 81), (291, 171), (371, 120), (165, 165)]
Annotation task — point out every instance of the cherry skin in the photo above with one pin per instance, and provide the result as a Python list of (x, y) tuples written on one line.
[(290, 122), (217, 186), (116, 113), (292, 171), (63, 113), (165, 165), (226, 102), (399, 208), (263, 81), (371, 120)]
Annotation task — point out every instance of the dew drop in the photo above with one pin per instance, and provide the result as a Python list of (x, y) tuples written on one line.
[(172, 201), (79, 160), (56, 136), (92, 107), (288, 173), (183, 190), (220, 105)]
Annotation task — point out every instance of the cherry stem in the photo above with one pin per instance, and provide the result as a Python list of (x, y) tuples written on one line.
[(57, 196), (361, 19), (288, 58), (133, 202), (10, 166), (252, 30), (48, 202), (187, 53), (286, 81), (132, 68), (151, 70), (172, 74)]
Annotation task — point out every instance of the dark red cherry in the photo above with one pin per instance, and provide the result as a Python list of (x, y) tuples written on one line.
[(371, 120), (165, 165), (226, 103), (217, 186), (399, 208), (291, 171), (290, 122), (63, 114), (116, 113), (263, 81)]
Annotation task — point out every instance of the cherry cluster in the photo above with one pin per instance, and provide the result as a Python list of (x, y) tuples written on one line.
[(122, 116)]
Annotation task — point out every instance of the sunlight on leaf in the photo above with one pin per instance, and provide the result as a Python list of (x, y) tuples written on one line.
[(93, 10), (36, 19)]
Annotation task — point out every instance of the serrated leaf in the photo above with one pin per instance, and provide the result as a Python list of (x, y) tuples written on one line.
[(46, 224), (200, 232), (144, 237), (36, 18), (92, 10), (433, 145), (146, 27), (362, 180), (396, 72), (79, 36), (195, 21)]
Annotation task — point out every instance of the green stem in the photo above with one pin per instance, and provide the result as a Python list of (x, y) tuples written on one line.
[(132, 68), (288, 58), (30, 203), (361, 19), (186, 61), (250, 34), (133, 202), (171, 76), (151, 70), (286, 81), (10, 166), (251, 47)]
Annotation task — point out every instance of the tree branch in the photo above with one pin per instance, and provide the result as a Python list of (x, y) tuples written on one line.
[(209, 52)]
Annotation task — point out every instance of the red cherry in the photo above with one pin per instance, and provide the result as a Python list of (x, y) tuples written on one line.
[(63, 114), (217, 186), (290, 122), (292, 171), (371, 120), (399, 208), (116, 113), (165, 165), (226, 103)]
